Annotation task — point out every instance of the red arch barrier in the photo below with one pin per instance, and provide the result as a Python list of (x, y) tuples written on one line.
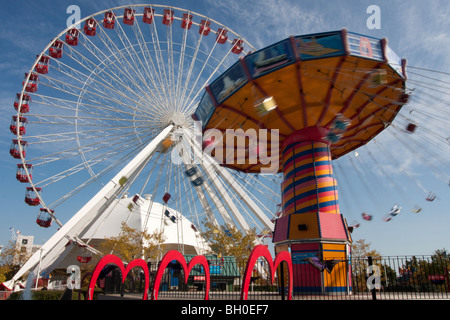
[(175, 255), (262, 251), (108, 259), (258, 251)]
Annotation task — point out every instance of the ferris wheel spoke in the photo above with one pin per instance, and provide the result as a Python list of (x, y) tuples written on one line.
[(100, 69), (75, 91), (97, 159), (160, 64), (83, 134), (152, 199), (256, 190), (137, 65), (118, 163), (148, 62), (181, 69), (101, 88), (87, 148), (189, 106), (105, 70), (189, 74), (170, 64), (124, 70), (88, 121), (87, 108)]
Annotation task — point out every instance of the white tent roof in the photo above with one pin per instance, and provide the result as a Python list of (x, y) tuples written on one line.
[(143, 215), (179, 234)]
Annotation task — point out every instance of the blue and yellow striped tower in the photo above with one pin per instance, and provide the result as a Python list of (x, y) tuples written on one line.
[(311, 224)]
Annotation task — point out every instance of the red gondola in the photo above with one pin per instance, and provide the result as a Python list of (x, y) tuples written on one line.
[(411, 127), (168, 17), (32, 83), (21, 174), (14, 150), (186, 23), (204, 27), (222, 35), (44, 218), (56, 50), (72, 37), (237, 46), (148, 15), (25, 105), (85, 256), (43, 65), (18, 123), (90, 27), (128, 16), (166, 197), (109, 20), (31, 196), (137, 200)]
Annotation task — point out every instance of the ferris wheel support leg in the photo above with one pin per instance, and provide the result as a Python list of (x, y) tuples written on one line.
[(231, 181), (188, 163), (207, 163), (212, 166), (56, 248)]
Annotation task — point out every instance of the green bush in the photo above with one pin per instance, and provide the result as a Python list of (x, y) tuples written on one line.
[(54, 294), (39, 295)]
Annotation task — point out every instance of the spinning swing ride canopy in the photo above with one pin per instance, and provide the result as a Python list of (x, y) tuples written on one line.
[(312, 80)]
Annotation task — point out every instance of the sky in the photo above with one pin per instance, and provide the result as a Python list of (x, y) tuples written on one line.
[(416, 30)]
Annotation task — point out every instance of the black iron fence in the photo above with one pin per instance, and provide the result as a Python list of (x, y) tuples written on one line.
[(388, 278)]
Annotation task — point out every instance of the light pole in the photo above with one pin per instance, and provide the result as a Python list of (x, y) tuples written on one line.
[(39, 266)]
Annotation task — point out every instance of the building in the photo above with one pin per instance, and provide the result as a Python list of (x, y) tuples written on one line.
[(139, 213), (25, 248)]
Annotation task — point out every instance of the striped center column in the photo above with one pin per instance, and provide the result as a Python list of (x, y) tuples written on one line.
[(308, 184)]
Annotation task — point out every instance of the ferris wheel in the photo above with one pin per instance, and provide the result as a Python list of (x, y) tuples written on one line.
[(103, 111), (104, 118)]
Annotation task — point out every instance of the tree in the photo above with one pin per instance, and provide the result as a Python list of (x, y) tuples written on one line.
[(229, 241), (361, 249), (360, 252), (11, 259), (132, 244)]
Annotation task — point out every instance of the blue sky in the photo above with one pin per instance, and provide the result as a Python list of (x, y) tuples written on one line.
[(416, 30)]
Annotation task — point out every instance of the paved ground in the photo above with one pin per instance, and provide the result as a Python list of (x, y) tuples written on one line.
[(264, 297)]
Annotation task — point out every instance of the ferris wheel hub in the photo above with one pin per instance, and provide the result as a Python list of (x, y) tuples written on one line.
[(178, 119)]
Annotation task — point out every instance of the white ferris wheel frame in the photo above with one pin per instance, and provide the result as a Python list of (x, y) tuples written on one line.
[(27, 78), (53, 250)]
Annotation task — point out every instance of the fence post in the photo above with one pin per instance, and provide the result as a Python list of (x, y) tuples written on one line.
[(282, 280), (374, 293), (446, 271)]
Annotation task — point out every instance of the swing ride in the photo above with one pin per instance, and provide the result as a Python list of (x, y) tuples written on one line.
[(324, 95), (119, 106)]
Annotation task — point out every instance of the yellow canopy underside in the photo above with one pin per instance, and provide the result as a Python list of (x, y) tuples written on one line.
[(311, 93)]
